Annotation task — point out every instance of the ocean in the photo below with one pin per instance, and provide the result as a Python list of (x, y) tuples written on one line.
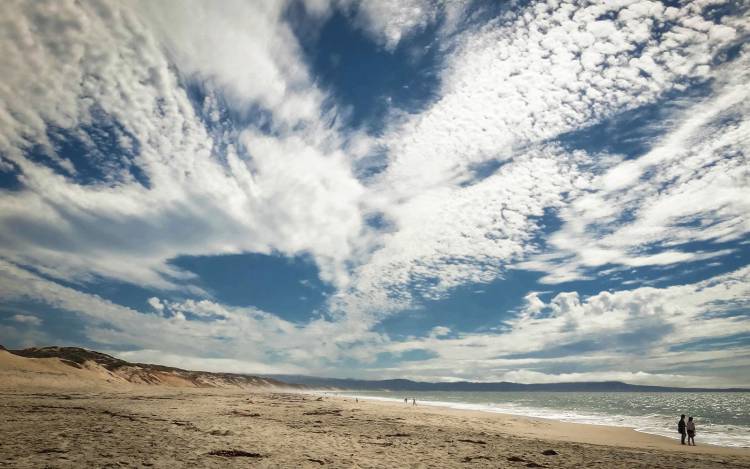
[(721, 418)]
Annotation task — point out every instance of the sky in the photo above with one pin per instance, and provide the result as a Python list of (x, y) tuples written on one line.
[(463, 190)]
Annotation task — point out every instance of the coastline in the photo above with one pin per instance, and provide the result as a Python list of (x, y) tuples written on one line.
[(504, 413), (159, 426), (547, 428)]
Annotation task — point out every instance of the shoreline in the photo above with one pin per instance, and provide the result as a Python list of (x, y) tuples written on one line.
[(159, 426), (548, 428)]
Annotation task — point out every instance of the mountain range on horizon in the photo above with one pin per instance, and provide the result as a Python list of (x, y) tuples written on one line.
[(504, 386)]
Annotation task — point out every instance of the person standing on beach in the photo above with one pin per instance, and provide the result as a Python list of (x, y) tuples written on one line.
[(690, 431), (413, 401), (681, 428)]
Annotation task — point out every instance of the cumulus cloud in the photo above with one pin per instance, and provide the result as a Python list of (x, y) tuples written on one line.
[(201, 331), (156, 304), (641, 327), (388, 21), (648, 330), (26, 319)]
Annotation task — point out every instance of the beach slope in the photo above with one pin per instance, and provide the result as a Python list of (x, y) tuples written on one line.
[(156, 426)]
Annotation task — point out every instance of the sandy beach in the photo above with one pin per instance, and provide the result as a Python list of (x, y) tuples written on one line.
[(141, 426), (240, 233)]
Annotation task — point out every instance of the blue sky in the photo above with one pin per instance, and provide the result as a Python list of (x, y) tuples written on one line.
[(520, 191)]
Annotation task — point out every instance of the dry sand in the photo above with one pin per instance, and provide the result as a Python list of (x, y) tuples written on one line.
[(68, 419), (179, 427)]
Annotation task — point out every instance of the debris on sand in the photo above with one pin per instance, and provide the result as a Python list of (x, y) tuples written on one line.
[(239, 413), (472, 458), (234, 453), (549, 452), (515, 459), (220, 432), (336, 412), (476, 442), (377, 443)]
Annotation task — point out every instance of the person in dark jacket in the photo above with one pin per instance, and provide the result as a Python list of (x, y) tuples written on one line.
[(681, 428)]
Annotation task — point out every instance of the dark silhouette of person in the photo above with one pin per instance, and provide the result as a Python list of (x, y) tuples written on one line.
[(691, 431), (681, 428)]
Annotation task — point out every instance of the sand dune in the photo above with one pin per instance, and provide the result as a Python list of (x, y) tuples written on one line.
[(72, 367), (20, 372)]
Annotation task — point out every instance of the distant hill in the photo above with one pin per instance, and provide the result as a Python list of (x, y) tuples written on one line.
[(72, 365), (408, 385)]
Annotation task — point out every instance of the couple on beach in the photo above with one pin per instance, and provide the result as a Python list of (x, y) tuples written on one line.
[(686, 429)]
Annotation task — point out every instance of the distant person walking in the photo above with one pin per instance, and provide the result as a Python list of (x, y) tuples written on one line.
[(691, 431), (681, 428), (406, 400), (413, 401)]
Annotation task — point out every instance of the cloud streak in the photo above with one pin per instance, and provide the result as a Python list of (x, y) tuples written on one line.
[(134, 134), (196, 202)]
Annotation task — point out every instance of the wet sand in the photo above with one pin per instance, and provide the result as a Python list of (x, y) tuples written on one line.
[(143, 426)]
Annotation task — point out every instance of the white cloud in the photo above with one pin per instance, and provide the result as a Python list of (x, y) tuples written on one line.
[(628, 333), (245, 49), (100, 64), (510, 87), (156, 304), (389, 21), (462, 198), (615, 333), (690, 187), (26, 319), (198, 330), (224, 365), (529, 377), (201, 203), (452, 235), (440, 331), (23, 337), (528, 78)]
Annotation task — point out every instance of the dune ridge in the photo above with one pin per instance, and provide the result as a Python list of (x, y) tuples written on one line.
[(77, 367)]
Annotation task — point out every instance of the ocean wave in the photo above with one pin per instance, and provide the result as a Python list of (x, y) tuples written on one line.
[(651, 423)]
